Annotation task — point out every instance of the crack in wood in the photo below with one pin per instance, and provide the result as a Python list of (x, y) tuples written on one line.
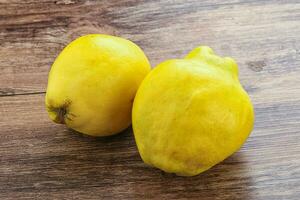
[(20, 94)]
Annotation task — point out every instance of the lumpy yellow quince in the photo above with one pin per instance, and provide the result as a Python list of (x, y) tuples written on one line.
[(190, 114), (92, 84)]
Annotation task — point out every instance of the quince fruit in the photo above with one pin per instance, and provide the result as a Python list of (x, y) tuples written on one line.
[(190, 114), (92, 84)]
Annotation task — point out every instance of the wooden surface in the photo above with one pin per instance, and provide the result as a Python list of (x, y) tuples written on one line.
[(42, 160)]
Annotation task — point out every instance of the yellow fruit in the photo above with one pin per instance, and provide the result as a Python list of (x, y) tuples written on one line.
[(92, 84), (190, 114)]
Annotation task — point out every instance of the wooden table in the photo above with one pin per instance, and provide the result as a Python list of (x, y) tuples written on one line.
[(43, 160)]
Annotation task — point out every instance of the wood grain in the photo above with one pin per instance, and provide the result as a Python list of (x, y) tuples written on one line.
[(42, 160)]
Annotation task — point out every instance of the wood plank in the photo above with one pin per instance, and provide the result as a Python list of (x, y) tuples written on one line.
[(261, 35), (45, 160)]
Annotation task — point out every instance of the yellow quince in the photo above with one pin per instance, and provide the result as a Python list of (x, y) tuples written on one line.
[(190, 114), (92, 84)]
